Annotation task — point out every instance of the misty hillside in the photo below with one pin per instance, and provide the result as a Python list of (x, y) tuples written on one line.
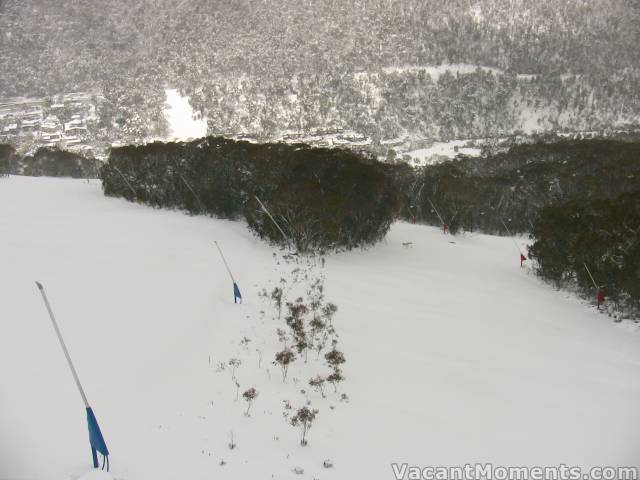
[(265, 68)]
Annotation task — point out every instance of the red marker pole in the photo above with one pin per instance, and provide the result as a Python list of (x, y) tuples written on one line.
[(599, 292), (445, 227), (600, 298), (522, 257)]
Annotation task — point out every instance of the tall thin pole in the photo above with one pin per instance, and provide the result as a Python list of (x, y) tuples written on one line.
[(236, 290), (225, 262), (191, 190), (62, 344), (591, 276), (415, 200), (272, 219), (510, 235), (530, 224), (436, 210), (416, 196), (135, 195)]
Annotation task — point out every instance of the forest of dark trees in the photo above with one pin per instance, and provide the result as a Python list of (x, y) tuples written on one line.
[(514, 185), (599, 237), (46, 162), (322, 199), (7, 158)]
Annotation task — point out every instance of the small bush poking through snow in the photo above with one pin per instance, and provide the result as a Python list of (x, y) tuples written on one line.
[(317, 383), (282, 336), (335, 378), (259, 352), (328, 311), (303, 419), (249, 396), (284, 359), (237, 388), (234, 363), (295, 321), (335, 358), (276, 298)]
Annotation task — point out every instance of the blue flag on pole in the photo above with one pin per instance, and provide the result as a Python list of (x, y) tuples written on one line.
[(236, 293), (96, 440)]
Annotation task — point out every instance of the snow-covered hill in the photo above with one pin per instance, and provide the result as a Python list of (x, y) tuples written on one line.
[(454, 354)]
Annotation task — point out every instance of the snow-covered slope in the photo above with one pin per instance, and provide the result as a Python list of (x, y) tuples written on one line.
[(181, 118), (454, 354)]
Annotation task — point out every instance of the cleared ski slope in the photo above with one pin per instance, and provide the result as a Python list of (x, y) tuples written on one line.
[(454, 354), (180, 117)]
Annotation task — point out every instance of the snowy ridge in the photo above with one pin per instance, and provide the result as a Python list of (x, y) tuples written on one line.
[(454, 354)]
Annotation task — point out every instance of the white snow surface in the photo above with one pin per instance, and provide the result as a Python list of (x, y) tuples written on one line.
[(435, 71), (454, 354), (183, 124), (441, 151), (96, 474)]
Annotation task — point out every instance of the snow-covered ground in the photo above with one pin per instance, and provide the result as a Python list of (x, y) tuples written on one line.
[(183, 124), (441, 151), (454, 354), (435, 71)]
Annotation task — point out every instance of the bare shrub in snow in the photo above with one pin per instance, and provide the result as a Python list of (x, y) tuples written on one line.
[(249, 396), (295, 321), (284, 358), (282, 337), (234, 364), (318, 334), (276, 298), (335, 358), (317, 383), (328, 311), (316, 294), (335, 378), (303, 419)]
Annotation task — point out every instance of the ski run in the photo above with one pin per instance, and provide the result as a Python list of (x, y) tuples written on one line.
[(454, 353)]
